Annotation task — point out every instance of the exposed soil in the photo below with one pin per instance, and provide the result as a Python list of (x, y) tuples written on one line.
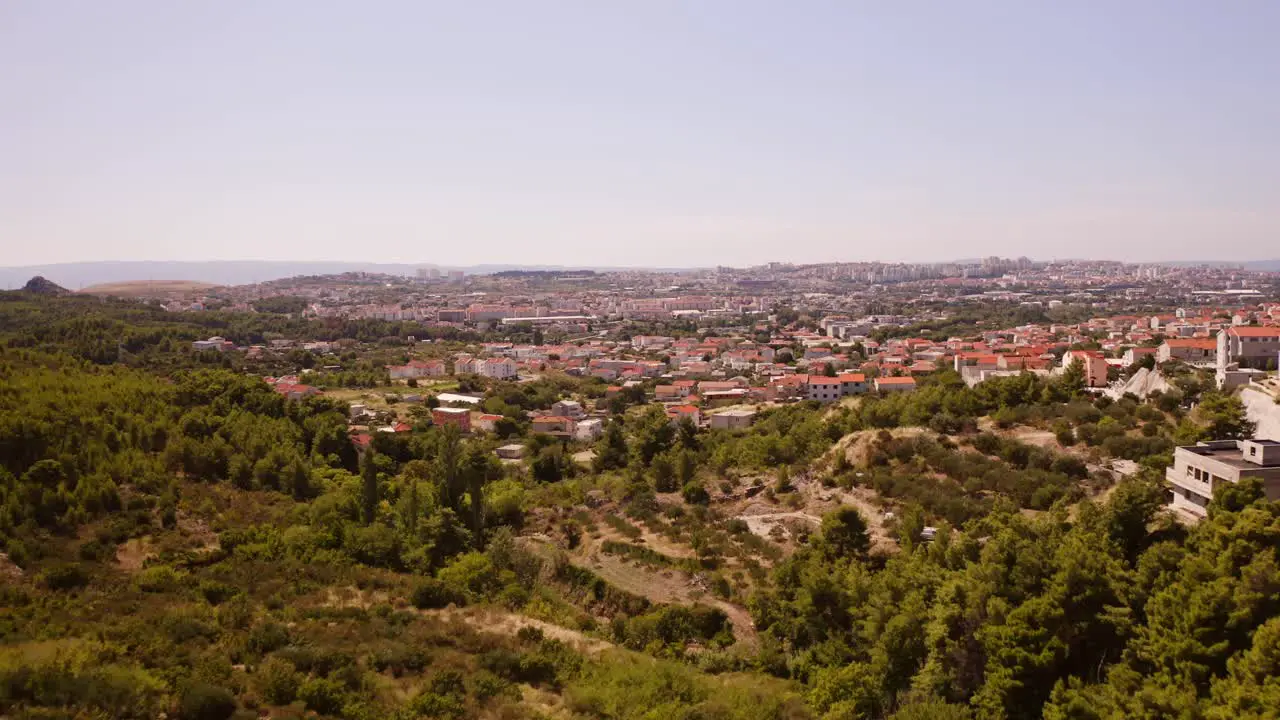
[(8, 571), (506, 623), (132, 554)]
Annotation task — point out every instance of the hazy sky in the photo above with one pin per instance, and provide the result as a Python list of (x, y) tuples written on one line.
[(639, 132)]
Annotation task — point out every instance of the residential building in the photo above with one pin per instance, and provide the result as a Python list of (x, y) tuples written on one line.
[(514, 451), (553, 425), (295, 391), (214, 343), (1134, 354), (1248, 346), (458, 398), (852, 383), (1199, 469), (733, 419), (417, 369), (824, 389), (1190, 350), (1094, 364), (496, 367), (568, 408), (677, 413), (589, 430), (460, 417), (895, 384)]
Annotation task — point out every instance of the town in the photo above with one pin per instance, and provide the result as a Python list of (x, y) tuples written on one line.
[(602, 468)]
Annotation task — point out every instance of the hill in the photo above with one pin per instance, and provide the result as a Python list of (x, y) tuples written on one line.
[(238, 272), (148, 288), (41, 286)]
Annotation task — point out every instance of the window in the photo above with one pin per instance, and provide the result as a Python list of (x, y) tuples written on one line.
[(1253, 451)]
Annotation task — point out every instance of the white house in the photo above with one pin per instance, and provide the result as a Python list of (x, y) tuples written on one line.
[(589, 430), (497, 368)]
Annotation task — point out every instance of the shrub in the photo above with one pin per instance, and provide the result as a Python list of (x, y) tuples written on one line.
[(216, 593), (268, 636), (157, 579), (277, 681), (376, 545), (64, 577), (432, 593), (202, 701), (322, 695), (695, 494), (399, 659)]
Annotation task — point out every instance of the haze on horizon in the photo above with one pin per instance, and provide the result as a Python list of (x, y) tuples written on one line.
[(654, 133)]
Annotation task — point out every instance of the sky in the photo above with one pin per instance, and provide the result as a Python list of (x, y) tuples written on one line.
[(670, 133)]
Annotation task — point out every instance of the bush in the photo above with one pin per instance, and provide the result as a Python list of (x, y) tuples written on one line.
[(399, 659), (431, 593), (695, 494), (376, 545), (157, 579), (322, 695), (277, 681), (202, 701), (64, 577), (216, 593), (267, 637)]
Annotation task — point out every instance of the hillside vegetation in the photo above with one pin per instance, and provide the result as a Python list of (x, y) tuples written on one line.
[(180, 539)]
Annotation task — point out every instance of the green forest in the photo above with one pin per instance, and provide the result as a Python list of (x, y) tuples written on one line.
[(180, 540)]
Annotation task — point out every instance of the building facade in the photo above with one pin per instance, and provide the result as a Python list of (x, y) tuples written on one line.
[(1201, 468)]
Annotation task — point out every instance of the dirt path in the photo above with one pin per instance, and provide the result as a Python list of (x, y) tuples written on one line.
[(763, 523), (862, 499), (666, 587), (506, 623), (649, 539)]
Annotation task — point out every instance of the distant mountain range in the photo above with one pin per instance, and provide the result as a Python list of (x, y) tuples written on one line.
[(1256, 265), (78, 275)]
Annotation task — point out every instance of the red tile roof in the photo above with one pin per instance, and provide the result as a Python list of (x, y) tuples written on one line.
[(896, 381), (1250, 331)]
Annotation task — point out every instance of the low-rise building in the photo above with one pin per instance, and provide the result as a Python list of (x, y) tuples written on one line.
[(733, 419), (498, 368), (589, 430), (215, 343), (1134, 354), (1190, 350), (568, 408), (1092, 362), (852, 383), (1201, 468), (824, 389), (417, 369), (514, 451), (895, 384), (459, 417), (678, 413), (487, 422), (553, 425)]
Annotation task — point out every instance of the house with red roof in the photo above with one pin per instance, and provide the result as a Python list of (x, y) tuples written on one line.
[(677, 413), (1187, 350), (895, 384)]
